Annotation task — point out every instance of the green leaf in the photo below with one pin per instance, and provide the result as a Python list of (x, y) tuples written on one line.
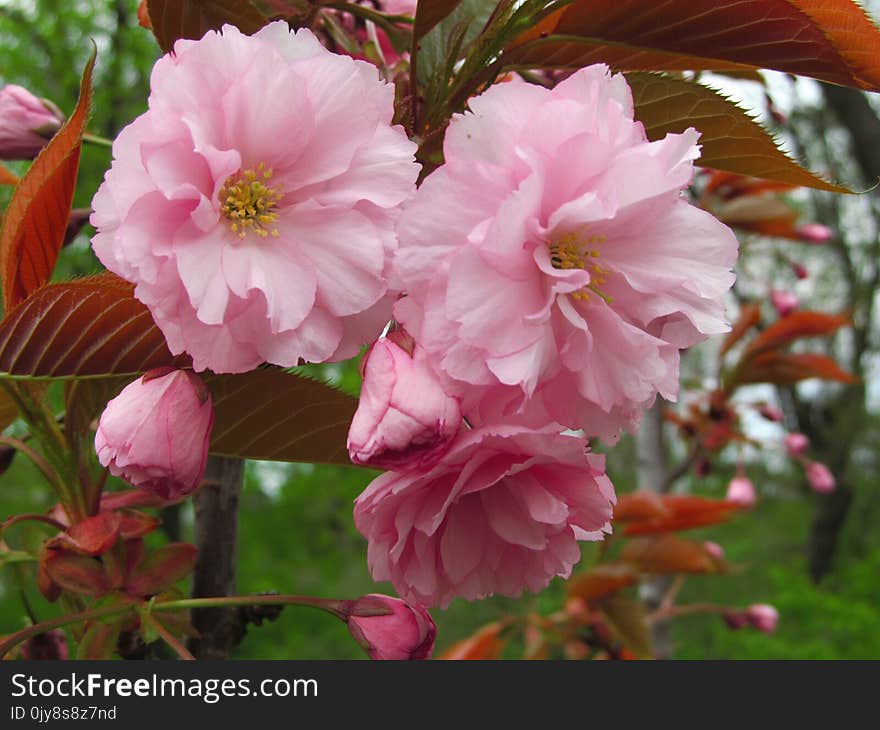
[(731, 140), (440, 48), (275, 415)]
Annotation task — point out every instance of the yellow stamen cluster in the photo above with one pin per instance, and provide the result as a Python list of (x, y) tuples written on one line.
[(248, 202), (569, 251)]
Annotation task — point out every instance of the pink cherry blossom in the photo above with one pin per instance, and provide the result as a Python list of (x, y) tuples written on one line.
[(155, 433), (406, 633), (796, 444), (502, 512), (784, 302), (554, 254), (26, 123), (741, 491), (405, 420), (254, 203), (820, 477)]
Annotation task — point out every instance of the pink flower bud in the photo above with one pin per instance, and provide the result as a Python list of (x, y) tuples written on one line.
[(735, 619), (783, 302), (26, 123), (763, 617), (155, 433), (741, 491), (405, 419), (408, 632), (771, 413), (800, 271), (714, 549), (51, 645), (820, 477), (796, 444), (814, 233)]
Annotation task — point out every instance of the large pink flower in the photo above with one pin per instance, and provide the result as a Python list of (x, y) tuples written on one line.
[(254, 203), (554, 253), (503, 511)]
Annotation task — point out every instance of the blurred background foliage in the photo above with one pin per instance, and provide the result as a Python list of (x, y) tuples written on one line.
[(297, 533)]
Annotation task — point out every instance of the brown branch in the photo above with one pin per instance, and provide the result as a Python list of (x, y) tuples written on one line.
[(216, 536)]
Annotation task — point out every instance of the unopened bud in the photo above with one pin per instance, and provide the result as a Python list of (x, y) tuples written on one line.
[(741, 491), (820, 477), (402, 631), (814, 233), (763, 617), (796, 444)]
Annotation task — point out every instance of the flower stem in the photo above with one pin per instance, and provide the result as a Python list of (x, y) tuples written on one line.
[(13, 640), (334, 607), (96, 140), (41, 463), (688, 610), (338, 608), (15, 519)]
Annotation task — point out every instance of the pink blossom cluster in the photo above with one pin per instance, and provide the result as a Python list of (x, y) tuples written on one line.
[(551, 271), (542, 283)]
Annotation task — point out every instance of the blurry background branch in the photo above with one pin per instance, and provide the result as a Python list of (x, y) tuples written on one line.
[(842, 137)]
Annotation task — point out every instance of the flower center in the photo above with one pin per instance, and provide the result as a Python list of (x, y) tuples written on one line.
[(249, 202), (570, 251)]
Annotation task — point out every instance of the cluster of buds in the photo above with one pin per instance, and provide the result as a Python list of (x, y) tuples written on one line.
[(155, 435), (760, 616), (818, 475)]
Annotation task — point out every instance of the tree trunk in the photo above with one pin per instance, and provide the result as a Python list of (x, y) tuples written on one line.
[(831, 439), (216, 536), (652, 471)]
